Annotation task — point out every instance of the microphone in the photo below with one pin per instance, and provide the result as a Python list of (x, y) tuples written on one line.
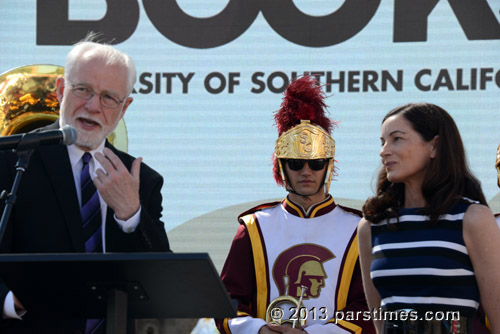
[(65, 135)]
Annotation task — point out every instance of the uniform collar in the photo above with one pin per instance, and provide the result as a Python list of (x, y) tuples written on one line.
[(315, 210)]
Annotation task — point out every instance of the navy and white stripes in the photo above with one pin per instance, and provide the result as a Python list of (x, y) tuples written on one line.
[(423, 267)]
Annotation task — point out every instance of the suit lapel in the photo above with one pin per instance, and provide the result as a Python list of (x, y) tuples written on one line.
[(58, 169)]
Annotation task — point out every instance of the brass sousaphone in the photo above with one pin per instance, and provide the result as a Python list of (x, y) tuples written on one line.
[(28, 101), (275, 313)]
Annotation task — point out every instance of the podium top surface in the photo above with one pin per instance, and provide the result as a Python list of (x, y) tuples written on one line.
[(101, 257), (158, 285)]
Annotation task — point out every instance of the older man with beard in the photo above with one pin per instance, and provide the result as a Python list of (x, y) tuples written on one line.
[(86, 197)]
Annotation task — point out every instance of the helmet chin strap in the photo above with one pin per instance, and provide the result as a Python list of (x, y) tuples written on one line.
[(291, 191)]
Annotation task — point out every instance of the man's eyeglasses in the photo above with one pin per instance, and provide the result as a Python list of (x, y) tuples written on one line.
[(85, 92), (298, 164)]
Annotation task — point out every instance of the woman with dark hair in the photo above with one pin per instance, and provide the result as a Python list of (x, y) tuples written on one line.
[(428, 242)]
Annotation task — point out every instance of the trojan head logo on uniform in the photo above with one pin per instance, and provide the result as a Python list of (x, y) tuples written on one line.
[(301, 265)]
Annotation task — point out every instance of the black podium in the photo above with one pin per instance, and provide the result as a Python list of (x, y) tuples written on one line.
[(117, 286)]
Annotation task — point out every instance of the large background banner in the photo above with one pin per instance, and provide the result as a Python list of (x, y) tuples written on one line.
[(211, 74)]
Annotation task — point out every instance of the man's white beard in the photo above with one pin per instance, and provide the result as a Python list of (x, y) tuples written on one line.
[(90, 139)]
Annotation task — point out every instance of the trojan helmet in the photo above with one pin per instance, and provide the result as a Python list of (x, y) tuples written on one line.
[(303, 128), (28, 100)]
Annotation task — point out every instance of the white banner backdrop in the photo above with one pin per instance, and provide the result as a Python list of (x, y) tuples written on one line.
[(203, 105)]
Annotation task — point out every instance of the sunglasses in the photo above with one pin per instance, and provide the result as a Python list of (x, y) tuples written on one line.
[(298, 164)]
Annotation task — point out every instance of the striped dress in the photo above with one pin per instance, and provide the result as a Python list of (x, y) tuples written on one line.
[(417, 266)]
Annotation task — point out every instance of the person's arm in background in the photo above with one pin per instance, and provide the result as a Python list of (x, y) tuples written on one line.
[(10, 305), (482, 238), (365, 260)]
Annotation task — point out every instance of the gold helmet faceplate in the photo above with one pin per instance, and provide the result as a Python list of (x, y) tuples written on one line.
[(309, 142)]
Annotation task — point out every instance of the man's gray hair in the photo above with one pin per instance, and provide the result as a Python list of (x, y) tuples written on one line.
[(106, 52)]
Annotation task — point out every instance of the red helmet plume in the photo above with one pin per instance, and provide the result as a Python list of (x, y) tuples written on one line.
[(303, 100)]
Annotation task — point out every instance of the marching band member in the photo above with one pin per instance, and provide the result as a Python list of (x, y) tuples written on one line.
[(301, 252)]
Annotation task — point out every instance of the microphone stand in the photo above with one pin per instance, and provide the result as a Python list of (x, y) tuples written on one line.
[(24, 150)]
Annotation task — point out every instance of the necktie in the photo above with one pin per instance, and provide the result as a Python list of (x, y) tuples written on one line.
[(91, 218), (91, 209)]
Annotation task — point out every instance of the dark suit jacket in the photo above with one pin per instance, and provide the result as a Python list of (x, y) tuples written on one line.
[(46, 216)]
